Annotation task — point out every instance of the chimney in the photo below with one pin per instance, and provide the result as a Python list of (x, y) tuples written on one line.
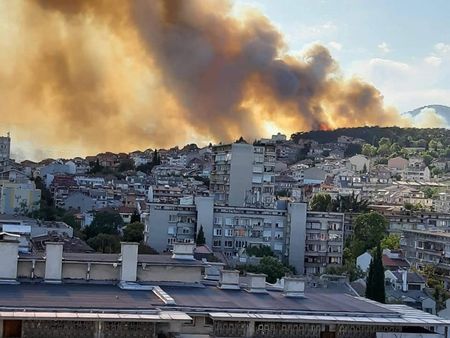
[(9, 250), (129, 256), (294, 287), (257, 283), (405, 280), (183, 251), (229, 280), (212, 270), (53, 262)]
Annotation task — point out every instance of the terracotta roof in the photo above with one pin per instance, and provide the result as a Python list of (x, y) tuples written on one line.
[(394, 262)]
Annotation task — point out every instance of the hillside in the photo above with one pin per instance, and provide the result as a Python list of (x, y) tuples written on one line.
[(441, 110), (405, 137)]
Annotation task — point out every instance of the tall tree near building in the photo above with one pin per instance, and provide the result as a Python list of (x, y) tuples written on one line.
[(135, 217), (375, 289), (200, 240), (134, 232), (368, 231), (321, 202)]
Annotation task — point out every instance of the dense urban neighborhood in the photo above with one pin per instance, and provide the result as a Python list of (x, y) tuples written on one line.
[(359, 211)]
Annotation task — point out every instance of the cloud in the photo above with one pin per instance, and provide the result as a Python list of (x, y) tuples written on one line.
[(433, 60), (335, 45), (314, 32), (410, 84), (442, 48), (384, 47)]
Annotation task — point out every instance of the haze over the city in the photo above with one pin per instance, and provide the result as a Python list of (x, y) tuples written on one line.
[(82, 77)]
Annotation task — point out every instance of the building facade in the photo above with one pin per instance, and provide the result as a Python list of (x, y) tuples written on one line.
[(243, 175), (19, 198), (425, 247), (309, 241), (5, 152)]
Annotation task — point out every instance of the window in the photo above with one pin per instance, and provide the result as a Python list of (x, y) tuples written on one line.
[(217, 232), (278, 247), (217, 242), (241, 244), (228, 221), (171, 230), (173, 218), (228, 244), (279, 224), (228, 232), (217, 220)]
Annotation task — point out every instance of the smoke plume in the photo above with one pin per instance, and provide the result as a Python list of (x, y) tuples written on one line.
[(84, 76)]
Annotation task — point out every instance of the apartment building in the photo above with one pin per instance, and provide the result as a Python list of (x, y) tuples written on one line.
[(243, 175), (324, 242), (442, 202), (19, 198), (5, 152), (310, 240), (427, 248), (401, 220)]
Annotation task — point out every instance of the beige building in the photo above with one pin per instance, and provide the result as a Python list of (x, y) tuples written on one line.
[(18, 198), (358, 163), (398, 163)]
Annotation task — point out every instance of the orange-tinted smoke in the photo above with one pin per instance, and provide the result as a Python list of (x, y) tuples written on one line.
[(86, 76)]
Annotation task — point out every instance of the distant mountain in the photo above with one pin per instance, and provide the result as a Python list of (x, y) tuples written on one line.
[(441, 110)]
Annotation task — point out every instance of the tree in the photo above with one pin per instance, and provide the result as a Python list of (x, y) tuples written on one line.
[(156, 160), (375, 289), (391, 242), (368, 231), (427, 159), (105, 243), (200, 240), (273, 268), (350, 203), (320, 202), (134, 232), (95, 167), (125, 165), (369, 150), (259, 251), (105, 222), (352, 149), (135, 217)]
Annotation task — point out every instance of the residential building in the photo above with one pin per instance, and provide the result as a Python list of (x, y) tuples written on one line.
[(398, 163), (314, 175), (427, 247), (19, 198), (229, 230), (243, 175), (359, 163), (324, 242), (419, 173), (130, 295), (5, 152), (442, 202), (408, 288)]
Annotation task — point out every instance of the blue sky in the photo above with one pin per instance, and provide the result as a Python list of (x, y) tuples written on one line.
[(401, 46)]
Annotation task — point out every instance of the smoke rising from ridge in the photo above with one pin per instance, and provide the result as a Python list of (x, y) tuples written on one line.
[(90, 76)]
